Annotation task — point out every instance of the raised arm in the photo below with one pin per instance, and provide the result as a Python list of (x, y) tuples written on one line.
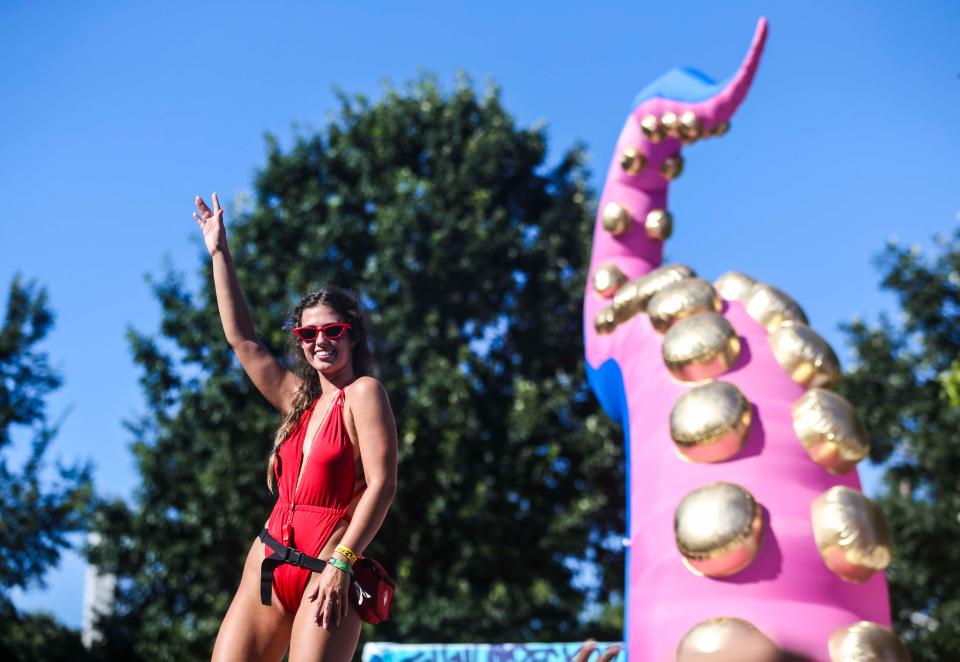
[(276, 384)]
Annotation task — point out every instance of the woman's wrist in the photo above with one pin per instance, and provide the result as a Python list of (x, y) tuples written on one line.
[(346, 554), (221, 250), (340, 565)]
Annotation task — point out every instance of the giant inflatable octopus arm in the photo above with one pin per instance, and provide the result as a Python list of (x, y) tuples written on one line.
[(745, 516)]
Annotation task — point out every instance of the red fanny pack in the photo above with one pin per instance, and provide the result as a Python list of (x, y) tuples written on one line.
[(372, 590)]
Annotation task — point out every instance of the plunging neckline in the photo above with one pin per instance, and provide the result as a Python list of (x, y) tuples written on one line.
[(305, 457)]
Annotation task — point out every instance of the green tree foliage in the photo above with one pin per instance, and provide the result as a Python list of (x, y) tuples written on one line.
[(951, 383), (904, 377), (470, 252), (38, 636), (39, 505)]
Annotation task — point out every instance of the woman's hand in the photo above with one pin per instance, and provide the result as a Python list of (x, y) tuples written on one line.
[(211, 223), (332, 597)]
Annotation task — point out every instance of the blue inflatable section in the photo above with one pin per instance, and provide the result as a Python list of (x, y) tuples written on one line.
[(376, 651), (607, 384), (684, 84)]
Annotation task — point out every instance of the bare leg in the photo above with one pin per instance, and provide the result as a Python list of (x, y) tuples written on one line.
[(251, 630), (309, 642)]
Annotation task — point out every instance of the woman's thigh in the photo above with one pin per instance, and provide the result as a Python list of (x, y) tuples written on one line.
[(251, 630), (309, 642)]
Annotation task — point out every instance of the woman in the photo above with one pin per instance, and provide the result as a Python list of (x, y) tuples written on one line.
[(334, 464)]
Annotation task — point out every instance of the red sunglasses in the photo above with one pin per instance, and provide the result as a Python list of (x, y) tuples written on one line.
[(332, 331)]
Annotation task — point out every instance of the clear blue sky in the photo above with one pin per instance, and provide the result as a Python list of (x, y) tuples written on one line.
[(116, 114)]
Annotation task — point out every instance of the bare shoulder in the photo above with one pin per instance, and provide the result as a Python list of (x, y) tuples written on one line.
[(367, 390), (369, 414)]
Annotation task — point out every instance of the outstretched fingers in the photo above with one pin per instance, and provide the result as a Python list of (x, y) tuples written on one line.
[(204, 209), (206, 213)]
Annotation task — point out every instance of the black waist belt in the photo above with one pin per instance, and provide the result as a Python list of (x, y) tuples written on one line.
[(282, 554)]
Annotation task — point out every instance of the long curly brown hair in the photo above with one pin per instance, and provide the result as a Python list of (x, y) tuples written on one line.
[(348, 308)]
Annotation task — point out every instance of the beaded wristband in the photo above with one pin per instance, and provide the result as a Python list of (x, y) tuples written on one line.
[(340, 565), (347, 553)]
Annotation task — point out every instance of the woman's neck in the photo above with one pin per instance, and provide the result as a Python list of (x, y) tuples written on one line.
[(337, 381)]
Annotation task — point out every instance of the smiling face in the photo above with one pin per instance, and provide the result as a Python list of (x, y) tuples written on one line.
[(328, 357)]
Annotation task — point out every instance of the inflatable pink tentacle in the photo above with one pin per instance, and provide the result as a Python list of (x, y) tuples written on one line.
[(718, 109), (648, 157), (746, 521)]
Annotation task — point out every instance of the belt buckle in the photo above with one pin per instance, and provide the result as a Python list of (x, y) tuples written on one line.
[(294, 556)]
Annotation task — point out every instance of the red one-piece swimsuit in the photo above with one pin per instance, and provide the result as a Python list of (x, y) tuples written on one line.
[(306, 516)]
